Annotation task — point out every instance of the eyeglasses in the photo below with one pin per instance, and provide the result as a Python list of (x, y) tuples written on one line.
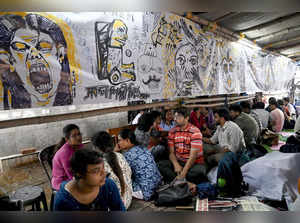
[(95, 171)]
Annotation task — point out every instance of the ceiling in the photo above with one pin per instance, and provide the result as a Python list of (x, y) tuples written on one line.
[(275, 31)]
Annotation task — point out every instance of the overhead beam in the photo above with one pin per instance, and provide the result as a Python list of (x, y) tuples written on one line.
[(294, 54), (296, 58), (226, 16), (270, 23), (226, 33), (278, 33), (272, 45), (281, 49)]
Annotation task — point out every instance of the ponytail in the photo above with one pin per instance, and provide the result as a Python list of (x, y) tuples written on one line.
[(113, 162), (60, 144), (104, 142)]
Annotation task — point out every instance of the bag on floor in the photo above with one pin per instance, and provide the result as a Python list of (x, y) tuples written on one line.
[(207, 190), (173, 194), (229, 177)]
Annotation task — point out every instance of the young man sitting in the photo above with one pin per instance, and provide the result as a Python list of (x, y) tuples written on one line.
[(227, 138), (90, 190), (186, 160)]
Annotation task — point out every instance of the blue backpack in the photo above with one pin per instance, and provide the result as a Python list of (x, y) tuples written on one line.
[(229, 177)]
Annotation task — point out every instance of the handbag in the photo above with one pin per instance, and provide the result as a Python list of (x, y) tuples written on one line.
[(174, 194)]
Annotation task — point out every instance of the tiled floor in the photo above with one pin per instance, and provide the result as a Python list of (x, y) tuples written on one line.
[(32, 173)]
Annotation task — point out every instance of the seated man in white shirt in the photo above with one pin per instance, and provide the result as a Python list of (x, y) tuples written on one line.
[(290, 107), (227, 138)]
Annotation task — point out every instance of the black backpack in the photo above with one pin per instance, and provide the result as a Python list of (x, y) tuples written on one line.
[(229, 177)]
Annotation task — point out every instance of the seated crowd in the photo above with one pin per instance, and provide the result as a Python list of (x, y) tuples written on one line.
[(164, 146)]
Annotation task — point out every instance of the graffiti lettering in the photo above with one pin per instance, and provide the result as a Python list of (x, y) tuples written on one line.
[(166, 31), (121, 93)]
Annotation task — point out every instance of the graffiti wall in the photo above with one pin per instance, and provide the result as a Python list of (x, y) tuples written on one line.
[(56, 59)]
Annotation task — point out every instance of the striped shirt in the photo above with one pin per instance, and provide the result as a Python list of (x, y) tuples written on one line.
[(185, 140)]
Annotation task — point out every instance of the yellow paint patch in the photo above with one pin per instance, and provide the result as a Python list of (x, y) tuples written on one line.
[(127, 66), (28, 40), (20, 55), (127, 75), (20, 46), (45, 95), (28, 81), (108, 67), (44, 103), (9, 97)]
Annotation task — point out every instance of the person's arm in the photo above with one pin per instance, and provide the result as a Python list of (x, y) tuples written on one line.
[(115, 202), (207, 140), (172, 157), (58, 172), (190, 162), (234, 136), (196, 148), (212, 140)]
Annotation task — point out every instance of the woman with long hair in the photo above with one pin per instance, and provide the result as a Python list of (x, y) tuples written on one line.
[(115, 164), (71, 141), (145, 174)]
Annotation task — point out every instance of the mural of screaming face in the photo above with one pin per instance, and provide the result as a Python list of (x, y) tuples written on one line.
[(34, 47), (187, 69)]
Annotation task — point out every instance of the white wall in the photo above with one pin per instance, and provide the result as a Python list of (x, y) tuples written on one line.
[(12, 140)]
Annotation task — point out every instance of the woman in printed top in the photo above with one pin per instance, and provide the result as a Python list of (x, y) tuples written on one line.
[(146, 122), (145, 174), (71, 142), (90, 190), (115, 164)]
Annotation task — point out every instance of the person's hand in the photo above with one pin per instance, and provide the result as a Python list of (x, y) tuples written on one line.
[(225, 149), (178, 169), (117, 148), (193, 188), (181, 176)]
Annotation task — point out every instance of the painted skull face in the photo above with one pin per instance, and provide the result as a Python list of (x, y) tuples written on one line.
[(186, 61), (118, 34), (227, 66), (36, 60)]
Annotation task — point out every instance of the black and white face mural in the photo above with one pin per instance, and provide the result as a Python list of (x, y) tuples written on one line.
[(186, 69)]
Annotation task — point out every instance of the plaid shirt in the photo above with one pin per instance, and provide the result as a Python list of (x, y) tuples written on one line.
[(186, 140)]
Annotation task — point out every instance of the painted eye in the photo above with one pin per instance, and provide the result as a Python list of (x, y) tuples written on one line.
[(18, 46), (45, 46), (181, 60), (193, 61)]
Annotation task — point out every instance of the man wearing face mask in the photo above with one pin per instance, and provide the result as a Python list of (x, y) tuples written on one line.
[(35, 69)]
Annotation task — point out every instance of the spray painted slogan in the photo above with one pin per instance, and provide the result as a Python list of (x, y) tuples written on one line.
[(86, 58)]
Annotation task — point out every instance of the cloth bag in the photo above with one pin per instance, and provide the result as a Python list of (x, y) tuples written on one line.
[(173, 194)]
